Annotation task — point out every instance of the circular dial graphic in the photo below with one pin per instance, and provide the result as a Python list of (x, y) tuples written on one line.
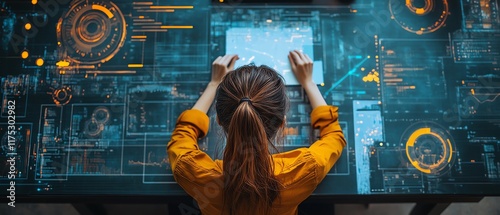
[(101, 115), (429, 147), (93, 128), (92, 32), (419, 16), (62, 96)]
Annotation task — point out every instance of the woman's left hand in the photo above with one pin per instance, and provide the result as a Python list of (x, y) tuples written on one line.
[(221, 66)]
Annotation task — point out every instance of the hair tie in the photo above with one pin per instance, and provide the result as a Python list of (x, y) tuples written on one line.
[(245, 99)]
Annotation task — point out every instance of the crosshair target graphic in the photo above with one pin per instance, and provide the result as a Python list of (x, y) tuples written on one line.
[(429, 147), (91, 32)]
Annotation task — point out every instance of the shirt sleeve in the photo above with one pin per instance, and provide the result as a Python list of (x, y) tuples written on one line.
[(193, 169), (328, 148), (191, 125)]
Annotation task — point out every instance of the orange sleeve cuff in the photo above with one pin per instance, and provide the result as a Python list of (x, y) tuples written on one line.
[(197, 119)]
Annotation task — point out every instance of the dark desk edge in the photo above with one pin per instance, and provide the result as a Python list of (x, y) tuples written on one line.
[(334, 199)]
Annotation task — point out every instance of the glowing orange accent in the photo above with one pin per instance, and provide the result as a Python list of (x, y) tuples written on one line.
[(135, 65), (417, 133), (143, 3), (139, 37), (178, 26), (427, 131), (393, 80), (39, 62), (34, 2), (451, 149), (103, 9), (171, 7), (25, 54), (429, 4), (322, 84), (417, 166), (420, 11), (62, 63), (141, 17), (27, 26), (472, 91)]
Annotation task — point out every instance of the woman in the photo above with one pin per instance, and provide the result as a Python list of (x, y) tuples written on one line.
[(251, 105)]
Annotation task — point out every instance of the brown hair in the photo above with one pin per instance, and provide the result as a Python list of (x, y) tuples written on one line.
[(251, 104)]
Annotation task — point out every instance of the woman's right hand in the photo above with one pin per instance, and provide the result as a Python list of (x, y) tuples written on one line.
[(221, 66), (302, 67)]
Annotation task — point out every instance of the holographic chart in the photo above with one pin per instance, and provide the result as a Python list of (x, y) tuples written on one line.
[(98, 86)]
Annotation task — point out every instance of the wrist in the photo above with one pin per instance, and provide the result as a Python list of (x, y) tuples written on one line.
[(213, 84), (309, 84)]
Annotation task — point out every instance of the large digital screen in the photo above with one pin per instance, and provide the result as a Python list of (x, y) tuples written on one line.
[(91, 90), (271, 46)]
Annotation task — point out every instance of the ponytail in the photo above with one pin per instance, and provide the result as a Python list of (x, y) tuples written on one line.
[(251, 104), (248, 167)]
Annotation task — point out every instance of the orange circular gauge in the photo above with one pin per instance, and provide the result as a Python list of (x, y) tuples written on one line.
[(419, 16), (429, 147), (93, 128), (92, 32), (62, 96), (101, 115)]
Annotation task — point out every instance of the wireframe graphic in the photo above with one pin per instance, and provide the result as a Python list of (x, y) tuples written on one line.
[(8, 21), (479, 103), (413, 82), (21, 143), (480, 15)]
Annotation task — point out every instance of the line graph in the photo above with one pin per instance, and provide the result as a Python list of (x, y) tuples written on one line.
[(477, 103)]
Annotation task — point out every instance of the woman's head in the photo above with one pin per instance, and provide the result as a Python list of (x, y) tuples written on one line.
[(251, 104), (266, 93)]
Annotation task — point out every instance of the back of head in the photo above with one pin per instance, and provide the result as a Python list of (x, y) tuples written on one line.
[(251, 104)]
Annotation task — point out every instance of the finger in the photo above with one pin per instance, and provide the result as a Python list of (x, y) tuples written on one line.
[(296, 57), (226, 60), (216, 60), (223, 60), (233, 61), (302, 56), (292, 62), (308, 58)]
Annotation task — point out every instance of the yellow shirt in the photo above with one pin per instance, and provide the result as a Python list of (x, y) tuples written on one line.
[(299, 171)]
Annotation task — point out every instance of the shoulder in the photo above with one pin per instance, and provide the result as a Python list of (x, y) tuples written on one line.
[(197, 167), (296, 167), (297, 171)]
